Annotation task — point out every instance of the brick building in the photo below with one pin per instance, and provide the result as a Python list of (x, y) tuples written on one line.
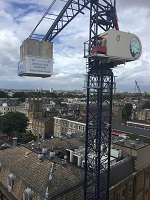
[(42, 126)]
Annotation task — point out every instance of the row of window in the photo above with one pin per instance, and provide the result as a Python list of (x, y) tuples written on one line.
[(142, 126), (9, 108), (65, 129), (71, 125), (38, 123), (123, 193)]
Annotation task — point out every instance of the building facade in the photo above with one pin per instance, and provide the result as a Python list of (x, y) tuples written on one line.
[(65, 126), (42, 127)]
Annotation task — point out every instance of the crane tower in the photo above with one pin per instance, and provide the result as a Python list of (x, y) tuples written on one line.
[(106, 48)]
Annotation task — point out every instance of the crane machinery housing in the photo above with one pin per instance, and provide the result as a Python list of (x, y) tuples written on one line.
[(106, 48)]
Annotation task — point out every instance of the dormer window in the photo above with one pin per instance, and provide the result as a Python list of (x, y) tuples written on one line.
[(28, 194), (10, 182)]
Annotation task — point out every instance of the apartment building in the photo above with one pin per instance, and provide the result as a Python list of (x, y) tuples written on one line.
[(8, 107), (64, 126)]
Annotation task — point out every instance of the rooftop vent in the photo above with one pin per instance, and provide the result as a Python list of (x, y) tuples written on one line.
[(28, 194), (10, 181), (15, 141), (44, 151), (121, 142), (39, 145), (32, 146), (52, 154), (40, 157), (132, 144)]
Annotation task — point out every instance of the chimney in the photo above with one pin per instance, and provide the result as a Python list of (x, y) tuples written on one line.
[(15, 141)]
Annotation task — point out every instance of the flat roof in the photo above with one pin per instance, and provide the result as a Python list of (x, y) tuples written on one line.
[(131, 130)]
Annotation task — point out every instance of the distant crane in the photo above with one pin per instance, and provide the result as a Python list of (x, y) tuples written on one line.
[(138, 88)]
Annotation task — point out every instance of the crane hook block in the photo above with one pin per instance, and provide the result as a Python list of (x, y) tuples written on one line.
[(36, 58)]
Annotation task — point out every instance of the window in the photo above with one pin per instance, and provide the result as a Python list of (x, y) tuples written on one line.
[(79, 127), (83, 128), (123, 193), (74, 126), (27, 195), (118, 196), (10, 181), (130, 188)]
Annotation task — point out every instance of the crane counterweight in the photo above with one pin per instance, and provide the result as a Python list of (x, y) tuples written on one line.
[(36, 58)]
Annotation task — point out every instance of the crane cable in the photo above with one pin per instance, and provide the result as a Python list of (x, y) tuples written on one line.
[(42, 18), (123, 10)]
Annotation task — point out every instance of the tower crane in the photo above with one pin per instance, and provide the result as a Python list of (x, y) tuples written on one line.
[(103, 52), (136, 85)]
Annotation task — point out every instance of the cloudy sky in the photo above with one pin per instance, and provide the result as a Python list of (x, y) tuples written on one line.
[(19, 17)]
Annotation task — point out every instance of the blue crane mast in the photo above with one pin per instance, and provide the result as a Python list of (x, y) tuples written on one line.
[(99, 84)]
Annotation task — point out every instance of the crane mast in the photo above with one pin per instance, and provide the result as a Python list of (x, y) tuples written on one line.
[(99, 91), (103, 51)]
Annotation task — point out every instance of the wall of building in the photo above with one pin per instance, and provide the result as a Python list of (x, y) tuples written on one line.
[(143, 157), (63, 126), (134, 187)]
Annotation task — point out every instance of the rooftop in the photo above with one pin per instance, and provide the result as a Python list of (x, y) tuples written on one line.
[(131, 130), (132, 144), (24, 164)]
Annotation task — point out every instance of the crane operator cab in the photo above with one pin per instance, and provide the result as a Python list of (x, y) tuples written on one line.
[(114, 46), (99, 46)]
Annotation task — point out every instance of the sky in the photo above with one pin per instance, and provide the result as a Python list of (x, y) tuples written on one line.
[(19, 17)]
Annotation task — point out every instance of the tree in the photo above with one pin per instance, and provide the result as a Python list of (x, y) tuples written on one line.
[(19, 95), (127, 111), (13, 121), (146, 105), (3, 94), (24, 137)]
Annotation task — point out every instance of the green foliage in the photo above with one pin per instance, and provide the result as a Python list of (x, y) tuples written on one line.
[(3, 94), (127, 111), (19, 95), (28, 137), (23, 137), (13, 121), (119, 96), (146, 105)]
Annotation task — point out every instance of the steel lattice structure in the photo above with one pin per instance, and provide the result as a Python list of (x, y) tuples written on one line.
[(99, 92)]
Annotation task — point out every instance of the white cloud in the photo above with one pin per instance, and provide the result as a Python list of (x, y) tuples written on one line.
[(18, 19)]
